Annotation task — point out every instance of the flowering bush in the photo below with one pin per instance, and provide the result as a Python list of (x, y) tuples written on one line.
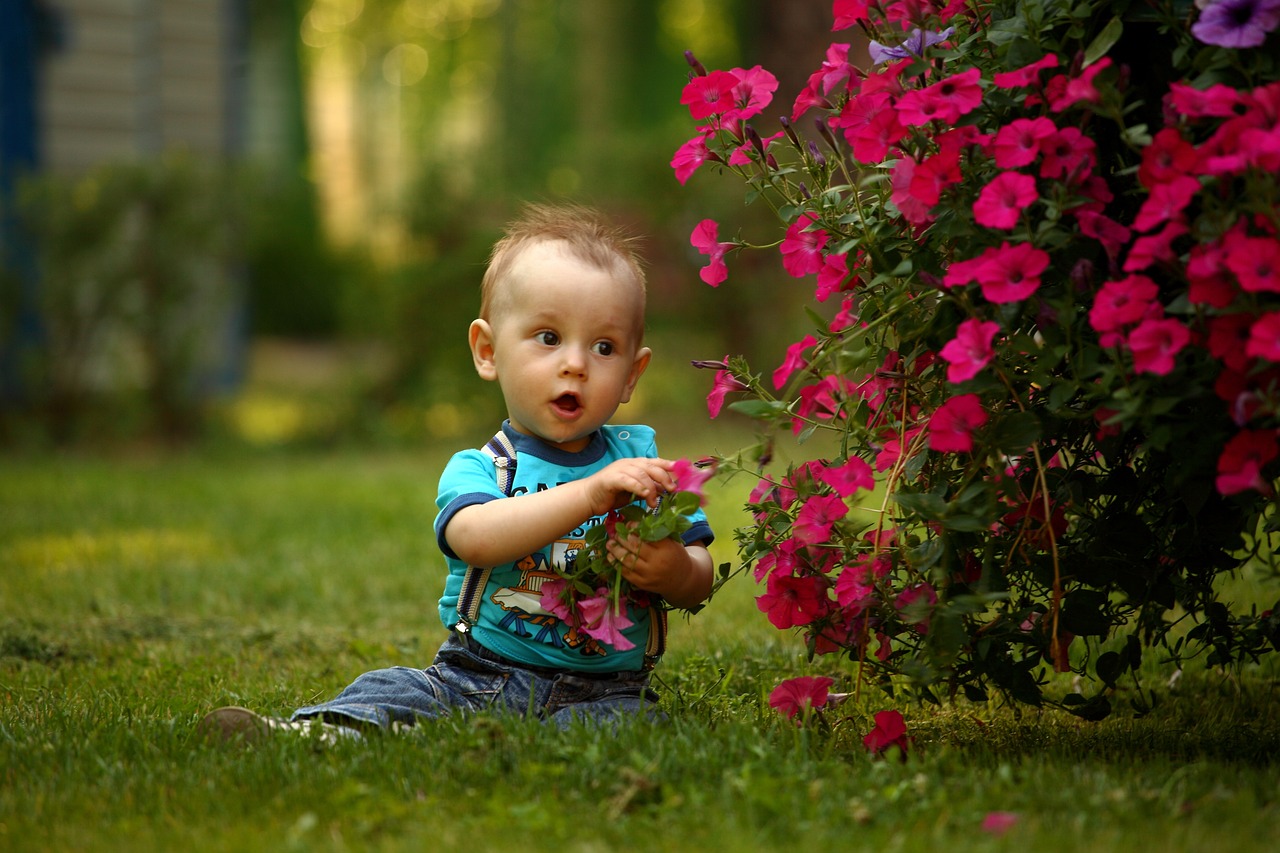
[(1048, 236), (590, 591)]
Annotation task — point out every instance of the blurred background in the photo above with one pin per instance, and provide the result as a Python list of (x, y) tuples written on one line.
[(265, 221)]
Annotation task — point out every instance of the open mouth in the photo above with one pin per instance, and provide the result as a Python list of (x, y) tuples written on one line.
[(567, 404)]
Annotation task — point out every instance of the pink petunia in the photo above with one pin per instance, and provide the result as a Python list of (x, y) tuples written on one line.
[(952, 425), (1001, 202), (1080, 88), (833, 276), (901, 182), (1122, 303), (915, 605), (1156, 343), (1011, 273), (933, 175), (706, 239), (1111, 234), (553, 600), (1018, 143), (1242, 459), (1254, 260), (870, 125), (970, 350), (848, 13), (710, 94), (998, 823), (1026, 75), (1264, 337), (1167, 157), (802, 248), (691, 155), (691, 477), (1216, 101), (725, 383), (1166, 201), (1154, 248), (795, 697), (794, 360), (1229, 337), (817, 518), (848, 478), (945, 101), (752, 92), (601, 622), (790, 601), (1068, 152), (890, 731)]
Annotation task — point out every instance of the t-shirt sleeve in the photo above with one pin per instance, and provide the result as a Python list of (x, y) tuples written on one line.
[(468, 479)]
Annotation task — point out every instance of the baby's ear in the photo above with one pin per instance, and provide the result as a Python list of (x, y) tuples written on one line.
[(480, 338), (637, 370)]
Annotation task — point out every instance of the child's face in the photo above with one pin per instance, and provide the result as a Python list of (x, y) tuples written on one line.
[(563, 341)]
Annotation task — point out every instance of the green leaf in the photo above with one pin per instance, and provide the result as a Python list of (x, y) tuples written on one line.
[(1110, 667), (1104, 42), (1015, 432), (759, 408)]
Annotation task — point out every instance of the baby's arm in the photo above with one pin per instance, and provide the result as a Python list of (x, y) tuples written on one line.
[(502, 531), (681, 574)]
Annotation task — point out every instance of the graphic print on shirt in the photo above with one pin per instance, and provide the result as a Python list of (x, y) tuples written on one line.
[(526, 617)]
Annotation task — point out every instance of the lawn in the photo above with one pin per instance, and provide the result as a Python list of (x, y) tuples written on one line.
[(138, 591)]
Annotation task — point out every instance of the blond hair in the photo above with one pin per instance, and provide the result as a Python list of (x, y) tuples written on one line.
[(585, 235)]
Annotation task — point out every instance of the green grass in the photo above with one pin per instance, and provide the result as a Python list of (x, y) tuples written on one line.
[(137, 592)]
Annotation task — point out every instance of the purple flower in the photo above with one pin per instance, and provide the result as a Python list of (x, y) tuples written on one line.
[(1236, 23), (913, 46)]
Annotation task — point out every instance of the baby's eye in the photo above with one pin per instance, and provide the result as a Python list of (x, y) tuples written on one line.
[(604, 348), (549, 339)]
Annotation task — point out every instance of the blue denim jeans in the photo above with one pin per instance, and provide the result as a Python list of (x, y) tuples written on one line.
[(467, 677)]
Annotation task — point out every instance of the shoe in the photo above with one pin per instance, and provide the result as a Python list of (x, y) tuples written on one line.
[(234, 724)]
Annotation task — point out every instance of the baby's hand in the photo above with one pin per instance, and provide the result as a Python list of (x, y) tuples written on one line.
[(628, 480)]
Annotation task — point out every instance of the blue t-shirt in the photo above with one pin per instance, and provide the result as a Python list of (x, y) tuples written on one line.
[(512, 621)]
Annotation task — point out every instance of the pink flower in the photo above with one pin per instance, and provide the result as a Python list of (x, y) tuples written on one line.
[(844, 317), (890, 730), (933, 175), (1167, 157), (901, 183), (1011, 273), (848, 13), (1264, 337), (952, 424), (915, 605), (1229, 338), (1122, 303), (817, 516), (1026, 75), (1066, 153), (601, 622), (1254, 260), (1111, 234), (998, 823), (802, 248), (690, 477), (791, 601), (710, 94), (1242, 460), (1217, 101), (794, 360), (752, 92), (725, 384), (847, 479), (832, 276), (705, 238), (945, 101), (1156, 343), (1166, 201), (970, 350), (795, 697), (1001, 202), (1080, 88), (1207, 276), (553, 600), (691, 155), (1018, 143), (1154, 248)]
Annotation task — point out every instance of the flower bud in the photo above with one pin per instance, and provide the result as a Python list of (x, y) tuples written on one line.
[(1082, 275), (804, 191), (754, 138), (789, 130), (824, 130), (818, 159), (694, 64), (707, 364)]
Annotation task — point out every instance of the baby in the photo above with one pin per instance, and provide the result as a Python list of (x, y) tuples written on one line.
[(561, 331)]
